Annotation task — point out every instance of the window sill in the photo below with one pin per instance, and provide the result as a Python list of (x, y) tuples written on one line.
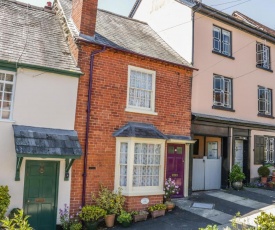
[(266, 116), (230, 57), (144, 193), (133, 110), (222, 108), (7, 121), (269, 70)]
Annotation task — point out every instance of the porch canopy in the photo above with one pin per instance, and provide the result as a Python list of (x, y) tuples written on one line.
[(36, 142)]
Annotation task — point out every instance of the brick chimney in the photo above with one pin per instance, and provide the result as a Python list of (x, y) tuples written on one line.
[(84, 16)]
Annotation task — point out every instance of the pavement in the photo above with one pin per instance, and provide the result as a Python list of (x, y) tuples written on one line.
[(217, 207)]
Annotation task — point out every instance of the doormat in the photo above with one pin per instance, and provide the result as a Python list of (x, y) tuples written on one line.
[(202, 205)]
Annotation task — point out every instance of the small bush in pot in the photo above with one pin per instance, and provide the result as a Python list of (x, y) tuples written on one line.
[(236, 177), (125, 218), (157, 210), (263, 172), (91, 214)]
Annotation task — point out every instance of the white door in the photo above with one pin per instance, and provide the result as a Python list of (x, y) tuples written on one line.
[(239, 153)]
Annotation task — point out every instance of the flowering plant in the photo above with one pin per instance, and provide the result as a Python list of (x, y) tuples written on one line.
[(68, 222), (170, 188)]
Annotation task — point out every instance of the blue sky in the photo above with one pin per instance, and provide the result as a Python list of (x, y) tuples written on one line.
[(260, 10)]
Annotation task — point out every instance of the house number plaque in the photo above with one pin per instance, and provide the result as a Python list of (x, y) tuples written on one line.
[(39, 200), (144, 201)]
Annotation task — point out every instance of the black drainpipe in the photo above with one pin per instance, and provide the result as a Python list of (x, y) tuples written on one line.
[(88, 122)]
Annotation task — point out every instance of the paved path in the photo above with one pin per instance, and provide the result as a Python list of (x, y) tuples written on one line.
[(226, 203)]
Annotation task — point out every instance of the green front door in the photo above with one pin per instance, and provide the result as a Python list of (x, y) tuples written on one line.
[(40, 193)]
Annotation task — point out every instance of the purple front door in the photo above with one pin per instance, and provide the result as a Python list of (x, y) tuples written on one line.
[(175, 165)]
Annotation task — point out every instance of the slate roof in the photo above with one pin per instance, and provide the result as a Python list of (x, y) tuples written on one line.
[(141, 130), (127, 34), (46, 142), (33, 35)]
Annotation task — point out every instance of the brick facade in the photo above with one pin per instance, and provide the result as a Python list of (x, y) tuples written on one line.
[(109, 93)]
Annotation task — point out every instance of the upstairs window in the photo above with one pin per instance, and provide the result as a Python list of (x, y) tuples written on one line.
[(222, 92), (7, 81), (263, 56), (264, 101), (141, 90), (221, 41)]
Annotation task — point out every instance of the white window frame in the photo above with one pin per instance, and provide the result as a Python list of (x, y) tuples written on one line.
[(10, 119), (263, 56), (136, 109), (267, 101), (222, 92), (269, 150), (129, 189), (221, 41)]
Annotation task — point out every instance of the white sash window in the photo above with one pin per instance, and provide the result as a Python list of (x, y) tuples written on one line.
[(222, 92), (221, 41), (263, 56), (264, 101)]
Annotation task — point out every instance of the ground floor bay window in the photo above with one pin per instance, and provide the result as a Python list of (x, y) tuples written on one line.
[(139, 165)]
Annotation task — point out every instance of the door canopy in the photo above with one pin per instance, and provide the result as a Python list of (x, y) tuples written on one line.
[(38, 142)]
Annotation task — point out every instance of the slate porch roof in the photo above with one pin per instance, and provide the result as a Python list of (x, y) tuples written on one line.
[(143, 130), (46, 142), (127, 34), (32, 35)]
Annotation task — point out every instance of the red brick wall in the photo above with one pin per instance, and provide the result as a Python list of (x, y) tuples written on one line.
[(133, 203), (173, 98), (84, 15)]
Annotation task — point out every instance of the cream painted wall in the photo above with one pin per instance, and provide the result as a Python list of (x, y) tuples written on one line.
[(246, 77), (41, 100), (172, 21)]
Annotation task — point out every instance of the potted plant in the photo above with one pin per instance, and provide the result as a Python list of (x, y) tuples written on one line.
[(111, 202), (170, 188), (157, 210), (236, 177), (263, 172), (125, 219), (139, 215), (91, 214)]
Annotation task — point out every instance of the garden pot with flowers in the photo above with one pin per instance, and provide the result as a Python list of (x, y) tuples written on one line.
[(90, 215), (111, 202), (157, 210), (170, 189)]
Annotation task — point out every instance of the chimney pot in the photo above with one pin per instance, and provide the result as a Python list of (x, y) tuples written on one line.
[(48, 6)]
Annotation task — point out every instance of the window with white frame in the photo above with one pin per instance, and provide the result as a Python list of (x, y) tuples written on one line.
[(264, 101), (263, 56), (264, 149), (222, 91), (222, 41), (141, 90), (7, 81), (140, 165), (269, 150)]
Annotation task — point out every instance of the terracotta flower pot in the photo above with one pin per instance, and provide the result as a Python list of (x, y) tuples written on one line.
[(169, 205), (110, 220), (263, 180)]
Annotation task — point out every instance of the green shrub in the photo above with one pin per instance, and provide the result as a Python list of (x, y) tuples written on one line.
[(76, 226), (13, 212), (91, 213), (264, 171), (124, 217), (265, 221), (210, 227), (236, 174), (4, 200), (18, 222), (157, 207)]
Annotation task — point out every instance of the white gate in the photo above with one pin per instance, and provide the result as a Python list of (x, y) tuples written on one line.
[(206, 174)]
